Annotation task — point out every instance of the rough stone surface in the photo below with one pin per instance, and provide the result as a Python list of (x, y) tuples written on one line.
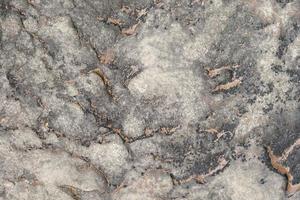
[(149, 99)]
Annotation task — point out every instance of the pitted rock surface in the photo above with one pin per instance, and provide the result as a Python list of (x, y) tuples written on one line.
[(149, 99)]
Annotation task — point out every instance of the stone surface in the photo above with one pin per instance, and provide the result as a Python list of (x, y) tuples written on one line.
[(149, 99)]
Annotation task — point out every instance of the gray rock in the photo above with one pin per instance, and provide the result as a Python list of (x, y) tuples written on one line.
[(181, 99)]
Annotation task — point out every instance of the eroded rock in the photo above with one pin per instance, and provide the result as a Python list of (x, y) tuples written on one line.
[(149, 99)]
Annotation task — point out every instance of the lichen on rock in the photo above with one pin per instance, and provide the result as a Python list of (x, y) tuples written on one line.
[(153, 99)]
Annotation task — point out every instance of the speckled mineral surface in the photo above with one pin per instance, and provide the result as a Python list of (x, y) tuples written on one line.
[(149, 99)]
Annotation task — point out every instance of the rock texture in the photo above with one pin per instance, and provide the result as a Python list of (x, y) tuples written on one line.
[(149, 99)]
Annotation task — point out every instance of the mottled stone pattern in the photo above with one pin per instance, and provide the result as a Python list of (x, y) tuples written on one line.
[(149, 99)]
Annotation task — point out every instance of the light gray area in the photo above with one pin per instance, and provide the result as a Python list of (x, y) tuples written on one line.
[(148, 99)]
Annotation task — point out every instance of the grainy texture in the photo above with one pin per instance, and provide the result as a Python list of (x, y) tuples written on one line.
[(149, 99)]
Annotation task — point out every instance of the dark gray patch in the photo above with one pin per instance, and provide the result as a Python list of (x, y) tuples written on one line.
[(53, 49), (235, 47), (282, 132), (189, 15), (287, 36), (92, 29), (283, 3), (195, 154)]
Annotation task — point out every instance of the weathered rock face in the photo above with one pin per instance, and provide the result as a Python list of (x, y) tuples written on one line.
[(152, 99)]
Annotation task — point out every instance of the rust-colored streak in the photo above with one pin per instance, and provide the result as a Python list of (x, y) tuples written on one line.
[(131, 30), (228, 86), (285, 170), (114, 21)]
